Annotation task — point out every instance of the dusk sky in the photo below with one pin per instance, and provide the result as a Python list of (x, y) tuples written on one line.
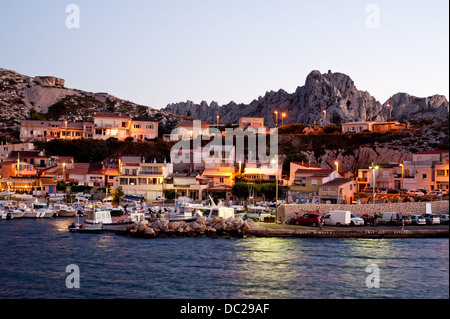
[(160, 52)]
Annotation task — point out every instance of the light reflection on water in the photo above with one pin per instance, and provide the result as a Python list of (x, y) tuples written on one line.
[(36, 252)]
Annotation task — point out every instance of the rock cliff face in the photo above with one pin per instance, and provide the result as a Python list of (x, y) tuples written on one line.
[(20, 95), (334, 92)]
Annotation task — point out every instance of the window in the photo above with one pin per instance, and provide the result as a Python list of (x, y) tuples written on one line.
[(137, 125), (124, 181), (440, 172), (325, 189), (314, 182), (221, 180), (149, 126), (424, 176), (124, 124), (98, 131)]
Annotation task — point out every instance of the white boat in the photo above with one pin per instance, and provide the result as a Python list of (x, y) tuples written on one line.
[(258, 212), (46, 212), (13, 210), (63, 210), (32, 213), (56, 197)]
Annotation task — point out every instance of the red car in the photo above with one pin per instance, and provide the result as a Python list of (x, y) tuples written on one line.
[(309, 219)]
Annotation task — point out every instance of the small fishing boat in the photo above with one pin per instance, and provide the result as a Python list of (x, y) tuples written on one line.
[(83, 228)]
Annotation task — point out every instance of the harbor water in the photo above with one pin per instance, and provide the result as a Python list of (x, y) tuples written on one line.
[(35, 255)]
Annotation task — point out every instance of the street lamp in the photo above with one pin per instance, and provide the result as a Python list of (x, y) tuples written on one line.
[(388, 105), (275, 161), (403, 169), (283, 115), (324, 117), (337, 166), (374, 168), (276, 116)]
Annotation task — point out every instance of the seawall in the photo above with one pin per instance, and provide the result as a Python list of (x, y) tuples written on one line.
[(288, 211)]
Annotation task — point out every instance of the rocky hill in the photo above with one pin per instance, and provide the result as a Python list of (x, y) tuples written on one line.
[(22, 97), (335, 92)]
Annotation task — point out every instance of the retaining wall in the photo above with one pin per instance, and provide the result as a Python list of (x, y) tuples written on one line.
[(287, 212)]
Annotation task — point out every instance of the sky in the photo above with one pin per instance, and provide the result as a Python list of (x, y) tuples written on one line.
[(159, 52)]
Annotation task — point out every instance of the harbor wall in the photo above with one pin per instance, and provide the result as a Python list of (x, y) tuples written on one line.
[(289, 211)]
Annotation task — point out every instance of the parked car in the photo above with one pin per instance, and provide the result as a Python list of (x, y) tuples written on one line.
[(382, 190), (435, 193), (418, 220), (415, 192), (370, 220), (444, 219), (424, 191), (356, 221), (390, 218), (407, 219), (308, 219), (432, 219), (393, 191)]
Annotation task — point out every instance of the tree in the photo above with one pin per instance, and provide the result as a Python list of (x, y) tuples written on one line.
[(169, 194), (269, 191), (240, 190), (61, 186), (117, 194)]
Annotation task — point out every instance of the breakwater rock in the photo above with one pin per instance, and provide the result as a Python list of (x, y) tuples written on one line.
[(217, 227)]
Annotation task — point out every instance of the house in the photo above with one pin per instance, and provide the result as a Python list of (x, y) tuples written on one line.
[(372, 126), (338, 191), (16, 169), (34, 157), (137, 177), (106, 125), (143, 129), (32, 130), (187, 184), (263, 172), (428, 171), (254, 122), (6, 149), (307, 182), (294, 166), (384, 177), (188, 130)]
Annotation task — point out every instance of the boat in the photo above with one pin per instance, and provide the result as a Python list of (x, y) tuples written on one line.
[(56, 197), (132, 199), (101, 217), (258, 212), (13, 210), (239, 212), (46, 212), (32, 213), (63, 210), (83, 228)]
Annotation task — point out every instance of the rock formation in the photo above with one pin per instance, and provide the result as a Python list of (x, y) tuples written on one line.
[(335, 92)]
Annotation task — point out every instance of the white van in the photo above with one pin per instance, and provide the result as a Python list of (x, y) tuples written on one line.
[(390, 218), (338, 218)]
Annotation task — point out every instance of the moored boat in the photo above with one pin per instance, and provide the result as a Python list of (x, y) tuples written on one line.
[(63, 210)]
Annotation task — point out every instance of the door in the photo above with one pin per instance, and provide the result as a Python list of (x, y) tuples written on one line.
[(50, 189)]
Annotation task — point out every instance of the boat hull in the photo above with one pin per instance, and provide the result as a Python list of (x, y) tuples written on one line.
[(66, 214)]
